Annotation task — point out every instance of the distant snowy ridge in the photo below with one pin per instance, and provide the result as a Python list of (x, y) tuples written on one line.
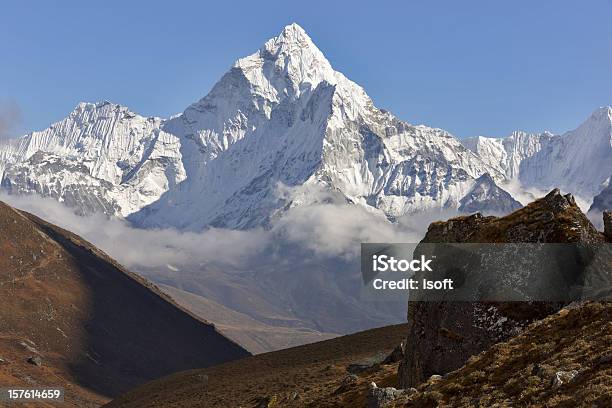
[(278, 120), (506, 154), (102, 157), (579, 161)]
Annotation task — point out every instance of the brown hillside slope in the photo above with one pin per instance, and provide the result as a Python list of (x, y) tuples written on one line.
[(98, 328), (294, 377)]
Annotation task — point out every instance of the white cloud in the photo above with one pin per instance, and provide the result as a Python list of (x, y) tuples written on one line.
[(135, 247), (527, 195), (306, 265), (328, 227), (338, 229)]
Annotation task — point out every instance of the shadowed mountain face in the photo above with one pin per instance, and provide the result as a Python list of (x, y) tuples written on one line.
[(97, 327), (488, 198)]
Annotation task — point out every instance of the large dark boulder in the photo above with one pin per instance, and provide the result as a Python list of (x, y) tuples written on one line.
[(443, 333)]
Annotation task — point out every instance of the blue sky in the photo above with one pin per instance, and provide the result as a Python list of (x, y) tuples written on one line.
[(471, 67)]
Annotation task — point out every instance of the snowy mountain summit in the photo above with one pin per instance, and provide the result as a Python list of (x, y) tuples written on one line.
[(283, 117), (278, 120)]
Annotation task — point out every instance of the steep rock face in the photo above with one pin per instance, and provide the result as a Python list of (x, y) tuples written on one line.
[(443, 335), (93, 324), (578, 161), (487, 197)]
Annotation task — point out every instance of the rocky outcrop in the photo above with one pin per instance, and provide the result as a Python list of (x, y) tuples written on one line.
[(35, 360), (607, 220), (554, 218), (442, 334), (380, 396), (563, 360)]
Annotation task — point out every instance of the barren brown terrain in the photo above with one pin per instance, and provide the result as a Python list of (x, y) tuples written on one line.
[(98, 329), (519, 372), (308, 375), (564, 361)]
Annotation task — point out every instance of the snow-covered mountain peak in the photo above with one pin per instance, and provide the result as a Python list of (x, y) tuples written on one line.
[(94, 129), (517, 134), (103, 104), (291, 38), (286, 65), (294, 29), (579, 160), (599, 125), (604, 113), (283, 116), (595, 131), (287, 79), (86, 111), (487, 197), (83, 105)]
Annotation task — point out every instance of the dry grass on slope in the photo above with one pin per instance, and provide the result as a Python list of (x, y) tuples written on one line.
[(523, 370)]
